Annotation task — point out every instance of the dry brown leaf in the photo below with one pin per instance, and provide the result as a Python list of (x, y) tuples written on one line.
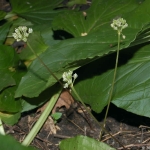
[(65, 99), (50, 126), (42, 108)]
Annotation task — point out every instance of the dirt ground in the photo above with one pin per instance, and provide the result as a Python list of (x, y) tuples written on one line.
[(131, 130)]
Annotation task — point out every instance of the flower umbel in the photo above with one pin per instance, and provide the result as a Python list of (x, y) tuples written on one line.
[(67, 77), (21, 33), (119, 24)]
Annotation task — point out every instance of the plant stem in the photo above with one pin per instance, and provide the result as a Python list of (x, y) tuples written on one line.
[(101, 125), (41, 120), (113, 82), (2, 131), (43, 64)]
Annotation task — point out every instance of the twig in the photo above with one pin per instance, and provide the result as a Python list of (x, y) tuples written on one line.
[(61, 136), (117, 134), (134, 145), (85, 116), (146, 141), (75, 124), (141, 126)]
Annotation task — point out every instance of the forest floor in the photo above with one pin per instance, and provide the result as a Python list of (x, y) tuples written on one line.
[(131, 130)]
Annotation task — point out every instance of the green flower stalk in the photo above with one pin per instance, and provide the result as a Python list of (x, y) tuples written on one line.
[(118, 25), (67, 78), (21, 34)]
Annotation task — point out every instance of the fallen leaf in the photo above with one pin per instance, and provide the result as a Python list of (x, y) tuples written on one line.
[(50, 126), (65, 99)]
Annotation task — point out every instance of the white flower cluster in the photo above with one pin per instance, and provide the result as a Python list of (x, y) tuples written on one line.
[(21, 33), (67, 77), (119, 24)]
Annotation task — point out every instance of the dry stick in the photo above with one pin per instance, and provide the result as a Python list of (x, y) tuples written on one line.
[(75, 125), (134, 145), (117, 134), (86, 117), (146, 140), (75, 93), (61, 136)]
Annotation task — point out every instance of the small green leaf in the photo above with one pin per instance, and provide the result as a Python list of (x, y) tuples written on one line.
[(56, 115), (83, 143)]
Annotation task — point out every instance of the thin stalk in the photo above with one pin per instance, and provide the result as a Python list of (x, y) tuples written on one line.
[(101, 125), (41, 120), (113, 82), (44, 64), (2, 131)]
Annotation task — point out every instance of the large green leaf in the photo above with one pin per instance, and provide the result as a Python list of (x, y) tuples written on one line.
[(66, 54), (76, 52), (98, 16), (132, 88), (8, 142), (39, 12), (11, 73), (84, 143)]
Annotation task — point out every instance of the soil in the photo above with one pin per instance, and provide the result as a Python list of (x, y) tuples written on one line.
[(131, 130)]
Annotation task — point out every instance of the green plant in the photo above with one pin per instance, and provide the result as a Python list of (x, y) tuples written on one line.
[(27, 84), (8, 142), (118, 24), (56, 116)]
